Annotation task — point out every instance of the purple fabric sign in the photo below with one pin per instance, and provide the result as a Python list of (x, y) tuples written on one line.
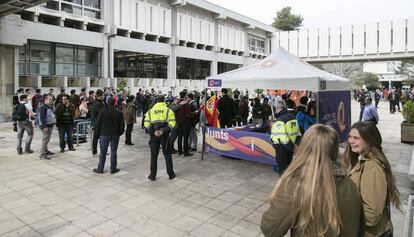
[(335, 110), (238, 144)]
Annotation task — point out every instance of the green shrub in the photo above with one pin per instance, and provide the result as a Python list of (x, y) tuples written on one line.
[(408, 112)]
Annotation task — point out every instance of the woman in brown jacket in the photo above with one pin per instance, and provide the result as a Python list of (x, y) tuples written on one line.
[(130, 117), (314, 197), (371, 172)]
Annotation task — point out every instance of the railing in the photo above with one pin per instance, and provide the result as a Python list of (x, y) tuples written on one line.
[(82, 129)]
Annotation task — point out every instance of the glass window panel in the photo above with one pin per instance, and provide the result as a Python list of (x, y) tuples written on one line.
[(40, 68), (40, 51), (64, 69), (71, 9), (74, 1), (64, 55), (22, 53), (22, 68), (92, 13), (89, 70), (51, 5), (92, 3)]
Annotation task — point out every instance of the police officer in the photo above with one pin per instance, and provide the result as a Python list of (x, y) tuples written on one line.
[(159, 121), (285, 134)]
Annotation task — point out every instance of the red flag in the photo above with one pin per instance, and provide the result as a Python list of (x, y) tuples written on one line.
[(211, 112)]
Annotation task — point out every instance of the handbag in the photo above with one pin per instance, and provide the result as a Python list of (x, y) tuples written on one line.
[(388, 233)]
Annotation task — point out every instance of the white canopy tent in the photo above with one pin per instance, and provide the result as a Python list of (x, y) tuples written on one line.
[(282, 70)]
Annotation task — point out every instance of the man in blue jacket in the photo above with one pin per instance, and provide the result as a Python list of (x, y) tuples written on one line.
[(47, 120)]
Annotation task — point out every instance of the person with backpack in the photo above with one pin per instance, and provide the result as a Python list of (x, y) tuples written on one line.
[(22, 117), (65, 114), (46, 119)]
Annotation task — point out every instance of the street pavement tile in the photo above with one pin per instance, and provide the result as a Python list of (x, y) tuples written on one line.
[(107, 228), (147, 227), (75, 213), (202, 213), (250, 203), (244, 228), (62, 207), (119, 196), (207, 230), (5, 215), (230, 234), (48, 224), (167, 231), (90, 221), (230, 197), (36, 216), (22, 232), (10, 225), (66, 230), (186, 223), (113, 211), (126, 233), (224, 221), (130, 218), (23, 210), (217, 205), (199, 198), (184, 206), (167, 215), (238, 211), (254, 217)]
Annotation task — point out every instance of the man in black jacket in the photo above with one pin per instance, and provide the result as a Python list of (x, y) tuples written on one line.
[(110, 126), (96, 109), (227, 111)]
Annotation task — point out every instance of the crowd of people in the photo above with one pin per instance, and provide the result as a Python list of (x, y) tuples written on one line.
[(318, 193)]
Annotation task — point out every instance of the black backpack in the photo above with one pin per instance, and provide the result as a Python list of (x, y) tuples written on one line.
[(19, 113)]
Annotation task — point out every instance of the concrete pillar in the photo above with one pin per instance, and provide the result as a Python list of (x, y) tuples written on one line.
[(85, 82), (7, 77), (84, 26), (63, 82), (104, 82), (37, 82), (131, 83), (172, 59), (114, 82)]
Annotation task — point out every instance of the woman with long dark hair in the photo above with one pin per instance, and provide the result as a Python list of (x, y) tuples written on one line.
[(371, 172), (314, 197)]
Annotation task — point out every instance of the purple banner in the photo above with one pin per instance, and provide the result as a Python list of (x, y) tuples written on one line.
[(238, 144), (335, 110)]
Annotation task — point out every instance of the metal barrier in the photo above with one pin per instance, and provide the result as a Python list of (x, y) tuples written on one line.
[(82, 129)]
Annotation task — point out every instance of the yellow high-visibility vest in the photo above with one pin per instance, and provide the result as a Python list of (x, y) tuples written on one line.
[(159, 113), (284, 132)]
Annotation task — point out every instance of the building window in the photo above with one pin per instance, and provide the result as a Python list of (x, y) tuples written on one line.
[(225, 67), (65, 60), (40, 58), (142, 65), (47, 59), (89, 8), (256, 44), (192, 68)]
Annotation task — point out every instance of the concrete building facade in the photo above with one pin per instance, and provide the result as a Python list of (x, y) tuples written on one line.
[(170, 44)]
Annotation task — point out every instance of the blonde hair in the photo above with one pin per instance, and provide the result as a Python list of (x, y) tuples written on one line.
[(312, 172)]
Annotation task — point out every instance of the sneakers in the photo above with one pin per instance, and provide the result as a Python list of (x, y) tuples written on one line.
[(151, 177), (62, 150), (44, 157), (49, 153), (28, 151), (114, 171), (20, 152), (172, 176), (72, 149), (189, 154)]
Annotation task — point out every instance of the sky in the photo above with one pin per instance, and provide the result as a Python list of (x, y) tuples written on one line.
[(323, 13)]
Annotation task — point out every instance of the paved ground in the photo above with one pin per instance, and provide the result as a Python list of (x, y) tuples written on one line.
[(214, 197)]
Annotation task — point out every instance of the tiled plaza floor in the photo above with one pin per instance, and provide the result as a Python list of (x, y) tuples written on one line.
[(214, 197)]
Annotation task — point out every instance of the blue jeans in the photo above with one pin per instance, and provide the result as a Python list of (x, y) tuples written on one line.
[(104, 142)]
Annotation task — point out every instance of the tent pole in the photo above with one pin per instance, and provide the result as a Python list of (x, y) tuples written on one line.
[(203, 125)]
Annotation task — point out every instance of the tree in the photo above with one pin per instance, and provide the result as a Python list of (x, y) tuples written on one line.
[(285, 20), (341, 69), (370, 80), (406, 68)]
